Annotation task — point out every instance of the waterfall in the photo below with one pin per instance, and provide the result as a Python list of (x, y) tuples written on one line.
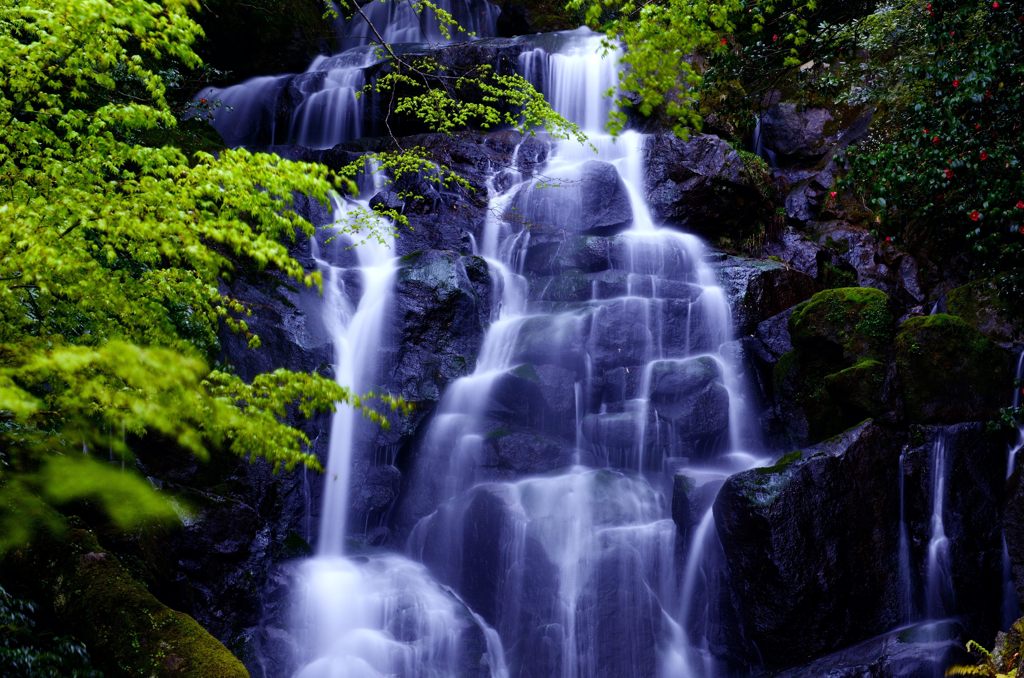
[(938, 600), (584, 576), (1011, 602), (541, 539), (906, 579)]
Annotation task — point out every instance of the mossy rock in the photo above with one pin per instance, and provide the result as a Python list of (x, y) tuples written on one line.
[(831, 397), (858, 389), (949, 371), (127, 630), (982, 306), (847, 323)]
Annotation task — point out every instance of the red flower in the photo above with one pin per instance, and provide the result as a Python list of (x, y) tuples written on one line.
[(1020, 229), (1020, 204), (975, 215), (775, 38), (888, 238), (956, 83), (832, 195), (949, 173), (977, 125), (926, 131), (935, 140), (202, 101), (983, 155), (724, 41), (995, 5)]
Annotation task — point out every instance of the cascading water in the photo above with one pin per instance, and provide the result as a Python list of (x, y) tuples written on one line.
[(938, 576), (1011, 603), (542, 540), (582, 575)]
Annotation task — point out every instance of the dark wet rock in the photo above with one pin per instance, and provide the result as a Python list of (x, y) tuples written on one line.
[(949, 371), (795, 250), (791, 570), (904, 653), (439, 318), (594, 202), (515, 453), (548, 254), (704, 186), (773, 334), (684, 513), (759, 289), (541, 398), (792, 135), (689, 401), (875, 264)]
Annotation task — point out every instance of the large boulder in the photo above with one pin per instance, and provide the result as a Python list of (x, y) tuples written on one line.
[(593, 201), (125, 628), (705, 186), (838, 372), (790, 135), (793, 571), (950, 372), (760, 288)]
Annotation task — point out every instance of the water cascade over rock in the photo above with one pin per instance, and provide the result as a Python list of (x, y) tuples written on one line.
[(575, 494)]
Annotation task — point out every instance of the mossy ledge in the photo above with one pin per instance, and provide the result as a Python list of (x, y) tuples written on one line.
[(127, 630)]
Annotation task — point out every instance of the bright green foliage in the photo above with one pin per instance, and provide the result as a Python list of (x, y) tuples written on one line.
[(480, 98), (112, 255), (948, 177), (666, 45)]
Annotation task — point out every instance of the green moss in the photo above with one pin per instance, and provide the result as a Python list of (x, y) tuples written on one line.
[(831, 276), (982, 305), (856, 389), (784, 462), (855, 321), (127, 630), (949, 371)]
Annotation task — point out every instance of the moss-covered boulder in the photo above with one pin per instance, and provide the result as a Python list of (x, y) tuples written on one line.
[(848, 323), (127, 630), (838, 371), (949, 371), (983, 306)]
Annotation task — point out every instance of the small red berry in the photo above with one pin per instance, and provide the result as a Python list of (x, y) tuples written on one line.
[(775, 38), (995, 5), (956, 83), (949, 173), (935, 140), (983, 155), (975, 215), (1020, 205)]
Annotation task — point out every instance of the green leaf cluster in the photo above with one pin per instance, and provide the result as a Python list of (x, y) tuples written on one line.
[(114, 250)]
